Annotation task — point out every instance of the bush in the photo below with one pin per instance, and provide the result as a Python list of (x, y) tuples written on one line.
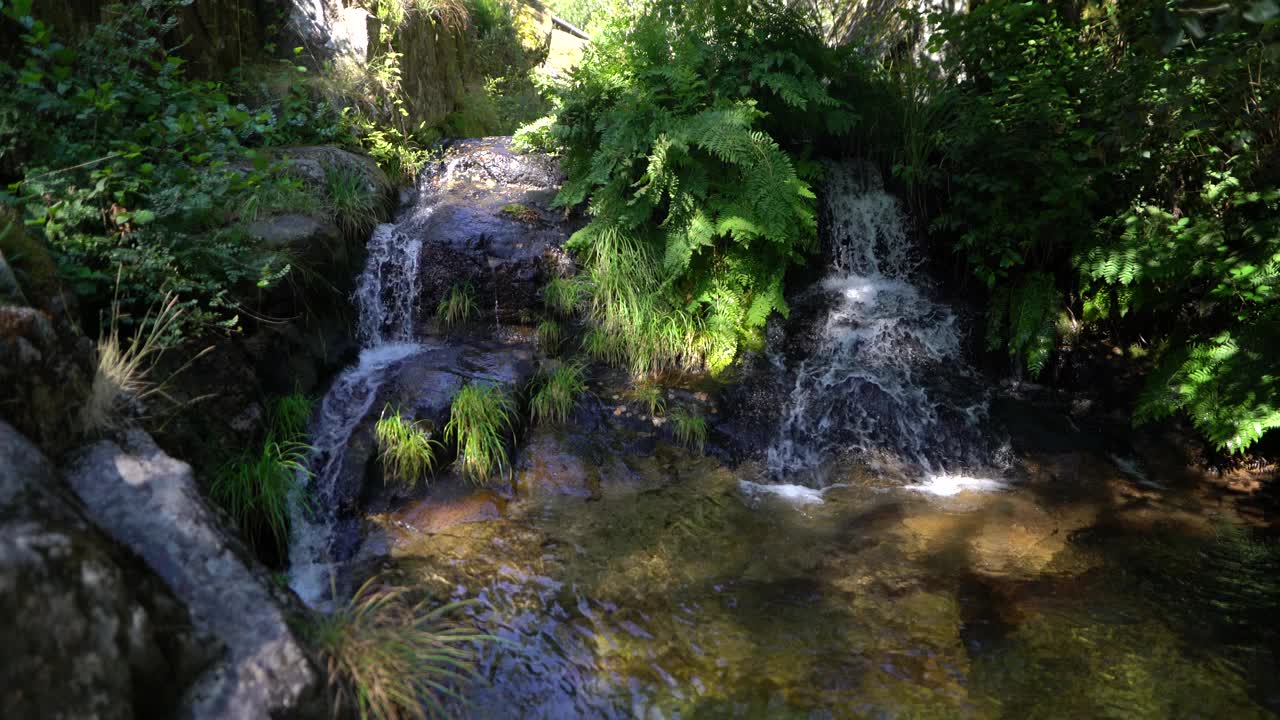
[(128, 164), (557, 393), (1118, 170), (390, 658), (672, 129), (480, 421)]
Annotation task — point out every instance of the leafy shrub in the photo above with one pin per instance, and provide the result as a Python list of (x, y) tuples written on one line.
[(688, 428), (670, 130), (408, 451), (535, 136), (388, 657), (480, 421), (1119, 166), (457, 306), (128, 163), (557, 393)]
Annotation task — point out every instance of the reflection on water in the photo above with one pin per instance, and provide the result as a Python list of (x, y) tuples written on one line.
[(676, 588)]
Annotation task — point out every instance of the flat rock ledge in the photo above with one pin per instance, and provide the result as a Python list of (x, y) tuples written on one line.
[(148, 502)]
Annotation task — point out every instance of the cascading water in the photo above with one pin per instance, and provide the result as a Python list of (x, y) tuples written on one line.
[(385, 296), (863, 388)]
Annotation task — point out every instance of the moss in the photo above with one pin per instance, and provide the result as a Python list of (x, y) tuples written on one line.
[(30, 259)]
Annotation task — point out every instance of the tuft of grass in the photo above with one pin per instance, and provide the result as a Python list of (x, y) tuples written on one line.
[(278, 194), (389, 658), (255, 490), (408, 450), (123, 372), (689, 429), (479, 422), (561, 296), (651, 396), (356, 207), (290, 415), (603, 347), (550, 336), (557, 393), (522, 213), (457, 306)]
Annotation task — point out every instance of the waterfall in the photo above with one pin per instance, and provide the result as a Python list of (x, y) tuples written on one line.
[(866, 386), (385, 297)]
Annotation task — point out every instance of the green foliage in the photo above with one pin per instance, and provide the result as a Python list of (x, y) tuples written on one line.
[(457, 306), (535, 136), (603, 347), (550, 336), (650, 394), (291, 414), (561, 296), (408, 451), (670, 131), (354, 203), (127, 163), (557, 392), (1122, 161), (689, 428), (480, 421), (388, 657)]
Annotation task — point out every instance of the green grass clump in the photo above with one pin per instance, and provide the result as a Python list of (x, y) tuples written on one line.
[(558, 392), (651, 396), (561, 296), (603, 347), (479, 423), (356, 207), (407, 450), (389, 658), (550, 336), (523, 213), (255, 490), (457, 306), (689, 429), (290, 415)]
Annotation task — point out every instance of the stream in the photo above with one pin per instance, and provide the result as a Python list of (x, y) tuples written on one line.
[(908, 546)]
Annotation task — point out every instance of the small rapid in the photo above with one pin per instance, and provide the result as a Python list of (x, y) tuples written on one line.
[(867, 385), (385, 297)]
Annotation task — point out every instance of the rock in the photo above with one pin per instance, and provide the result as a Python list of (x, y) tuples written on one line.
[(310, 163), (85, 636), (148, 502), (45, 368), (313, 236), (484, 216)]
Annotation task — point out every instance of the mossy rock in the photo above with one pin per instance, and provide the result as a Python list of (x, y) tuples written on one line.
[(28, 272)]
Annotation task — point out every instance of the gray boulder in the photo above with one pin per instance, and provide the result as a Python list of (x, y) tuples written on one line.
[(86, 633), (148, 502)]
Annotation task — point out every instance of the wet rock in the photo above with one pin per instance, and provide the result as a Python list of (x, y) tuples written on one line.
[(548, 465), (148, 502), (85, 634), (484, 215), (45, 367)]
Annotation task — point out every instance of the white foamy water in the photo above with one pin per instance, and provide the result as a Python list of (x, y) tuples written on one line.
[(386, 294), (793, 494), (863, 388), (950, 485), (311, 523)]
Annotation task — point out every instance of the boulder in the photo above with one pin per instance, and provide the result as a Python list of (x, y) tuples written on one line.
[(148, 502), (311, 162), (484, 216), (87, 633), (45, 369)]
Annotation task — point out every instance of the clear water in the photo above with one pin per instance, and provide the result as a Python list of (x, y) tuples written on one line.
[(683, 588)]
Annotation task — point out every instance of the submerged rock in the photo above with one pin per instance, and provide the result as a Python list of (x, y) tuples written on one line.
[(86, 633), (148, 501)]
